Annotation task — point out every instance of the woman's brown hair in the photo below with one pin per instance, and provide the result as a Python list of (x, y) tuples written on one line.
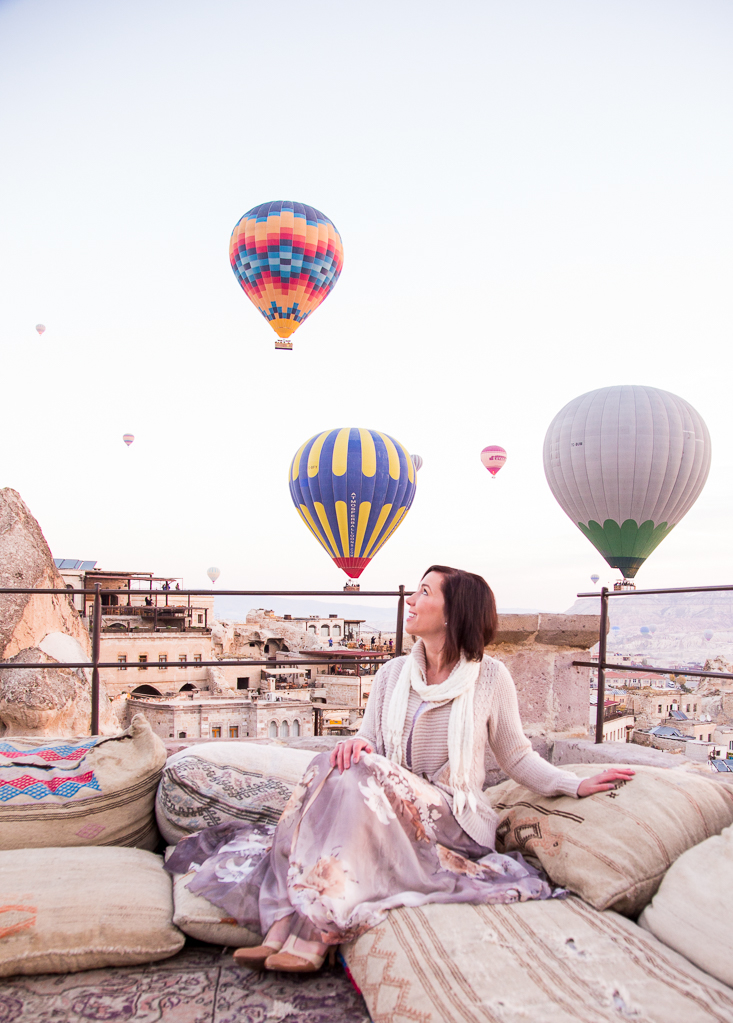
[(470, 612)]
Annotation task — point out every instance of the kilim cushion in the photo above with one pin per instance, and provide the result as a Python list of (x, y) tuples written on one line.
[(613, 848), (201, 919), (694, 898), (533, 962), (218, 782), (75, 792), (63, 910)]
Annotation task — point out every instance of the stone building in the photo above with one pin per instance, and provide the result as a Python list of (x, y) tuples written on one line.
[(196, 716)]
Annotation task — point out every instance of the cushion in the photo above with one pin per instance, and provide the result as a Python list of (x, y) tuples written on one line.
[(201, 919), (694, 898), (219, 782), (533, 962), (63, 910), (79, 792), (613, 848)]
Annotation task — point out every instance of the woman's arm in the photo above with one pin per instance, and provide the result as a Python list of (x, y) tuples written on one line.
[(513, 750)]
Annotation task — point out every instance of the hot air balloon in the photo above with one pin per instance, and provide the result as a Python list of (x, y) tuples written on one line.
[(213, 573), (417, 462), (644, 630), (352, 488), (626, 463), (40, 328), (615, 628), (287, 258), (128, 438), (594, 578), (493, 457), (708, 634), (652, 629)]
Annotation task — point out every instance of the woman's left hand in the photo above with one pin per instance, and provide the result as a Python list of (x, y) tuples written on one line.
[(604, 781)]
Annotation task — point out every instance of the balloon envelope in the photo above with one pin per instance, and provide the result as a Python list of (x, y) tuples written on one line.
[(493, 458), (417, 462), (213, 573), (128, 438), (352, 488), (626, 463), (287, 257), (40, 328), (708, 634), (644, 630), (594, 578)]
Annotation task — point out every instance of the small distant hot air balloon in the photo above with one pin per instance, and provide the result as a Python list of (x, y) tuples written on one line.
[(417, 462), (615, 628), (287, 257), (626, 463), (493, 458), (128, 438), (708, 634), (213, 573), (644, 630), (40, 328), (594, 578), (352, 488), (652, 629)]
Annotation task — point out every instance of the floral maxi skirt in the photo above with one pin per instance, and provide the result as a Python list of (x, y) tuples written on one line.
[(348, 848)]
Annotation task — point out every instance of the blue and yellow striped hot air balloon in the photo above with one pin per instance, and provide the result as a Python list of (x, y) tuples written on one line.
[(352, 488)]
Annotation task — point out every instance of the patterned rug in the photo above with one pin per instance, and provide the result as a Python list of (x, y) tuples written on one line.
[(199, 985)]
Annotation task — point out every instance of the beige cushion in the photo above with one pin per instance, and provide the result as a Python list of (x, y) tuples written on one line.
[(694, 904), (613, 848), (533, 962), (63, 910), (217, 782), (201, 919), (80, 792)]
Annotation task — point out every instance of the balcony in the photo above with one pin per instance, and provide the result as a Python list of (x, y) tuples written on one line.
[(169, 618)]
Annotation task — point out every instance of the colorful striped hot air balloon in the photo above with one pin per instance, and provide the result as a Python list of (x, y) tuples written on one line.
[(627, 463), (352, 488), (128, 438), (417, 462), (493, 458), (594, 578), (287, 258)]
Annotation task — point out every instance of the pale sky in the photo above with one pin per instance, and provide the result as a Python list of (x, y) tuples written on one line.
[(534, 200)]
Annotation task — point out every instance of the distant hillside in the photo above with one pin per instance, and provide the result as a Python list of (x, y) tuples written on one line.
[(678, 620)]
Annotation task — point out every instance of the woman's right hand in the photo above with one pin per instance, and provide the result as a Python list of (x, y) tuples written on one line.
[(351, 749)]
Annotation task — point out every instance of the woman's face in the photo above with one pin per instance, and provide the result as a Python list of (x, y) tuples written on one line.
[(426, 615)]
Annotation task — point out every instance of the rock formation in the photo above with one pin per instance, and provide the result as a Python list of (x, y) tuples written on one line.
[(40, 628)]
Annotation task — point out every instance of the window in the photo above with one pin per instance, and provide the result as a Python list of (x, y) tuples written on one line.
[(337, 630), (182, 659), (122, 660), (311, 628), (197, 658), (234, 731), (694, 707), (730, 746), (325, 631), (659, 709), (243, 683), (252, 644), (201, 619), (143, 659), (284, 730), (700, 738), (162, 661), (296, 727), (687, 708), (710, 736), (181, 735), (272, 731), (216, 731)]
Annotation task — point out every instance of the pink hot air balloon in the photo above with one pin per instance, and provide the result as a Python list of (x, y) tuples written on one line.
[(128, 438), (493, 457), (40, 328)]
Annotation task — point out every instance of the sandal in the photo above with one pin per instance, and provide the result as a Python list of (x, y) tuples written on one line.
[(292, 960), (255, 958)]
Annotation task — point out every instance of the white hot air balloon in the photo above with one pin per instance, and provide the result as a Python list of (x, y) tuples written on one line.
[(626, 463), (40, 328), (213, 573), (417, 462)]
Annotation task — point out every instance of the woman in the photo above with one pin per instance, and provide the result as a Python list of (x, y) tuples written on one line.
[(396, 815)]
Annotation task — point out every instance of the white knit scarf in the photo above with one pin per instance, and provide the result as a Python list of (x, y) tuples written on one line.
[(458, 687)]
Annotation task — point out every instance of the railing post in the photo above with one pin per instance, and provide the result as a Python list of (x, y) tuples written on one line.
[(602, 664), (96, 640), (400, 623)]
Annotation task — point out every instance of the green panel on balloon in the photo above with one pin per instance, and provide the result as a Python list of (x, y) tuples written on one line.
[(627, 546)]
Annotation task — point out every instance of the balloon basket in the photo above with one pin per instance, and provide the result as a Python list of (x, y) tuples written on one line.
[(285, 346), (352, 586), (624, 584)]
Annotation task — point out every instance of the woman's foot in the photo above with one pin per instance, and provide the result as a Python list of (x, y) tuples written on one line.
[(254, 958), (298, 956)]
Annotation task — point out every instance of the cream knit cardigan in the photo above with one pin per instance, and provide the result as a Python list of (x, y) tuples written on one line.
[(496, 722)]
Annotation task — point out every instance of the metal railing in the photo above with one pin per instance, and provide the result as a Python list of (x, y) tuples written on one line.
[(364, 657), (603, 665)]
